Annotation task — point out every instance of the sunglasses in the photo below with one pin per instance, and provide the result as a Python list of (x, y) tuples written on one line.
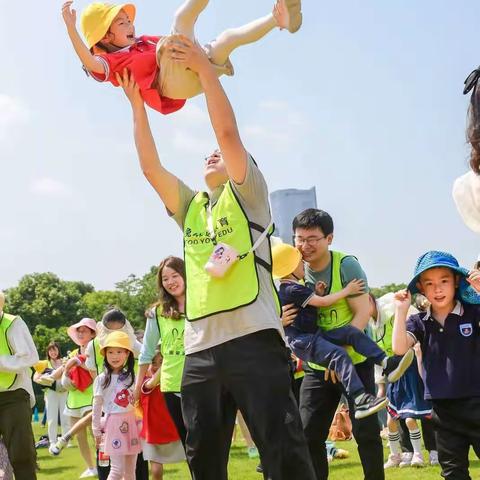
[(471, 81)]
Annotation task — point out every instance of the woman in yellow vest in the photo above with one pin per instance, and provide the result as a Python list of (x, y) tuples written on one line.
[(79, 403), (165, 327)]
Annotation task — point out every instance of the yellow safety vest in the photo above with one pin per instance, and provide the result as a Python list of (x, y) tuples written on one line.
[(206, 295), (7, 379)]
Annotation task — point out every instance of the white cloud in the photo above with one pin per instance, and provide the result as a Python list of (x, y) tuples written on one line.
[(49, 187), (13, 111)]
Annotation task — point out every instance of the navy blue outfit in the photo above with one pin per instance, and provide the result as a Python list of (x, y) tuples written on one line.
[(451, 364), (406, 397), (325, 348)]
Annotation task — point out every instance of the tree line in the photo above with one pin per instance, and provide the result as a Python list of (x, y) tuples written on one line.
[(49, 304)]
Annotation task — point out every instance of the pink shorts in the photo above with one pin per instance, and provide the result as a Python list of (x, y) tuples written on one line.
[(122, 434)]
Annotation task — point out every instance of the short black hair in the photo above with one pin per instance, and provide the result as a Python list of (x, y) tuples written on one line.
[(314, 218), (114, 315)]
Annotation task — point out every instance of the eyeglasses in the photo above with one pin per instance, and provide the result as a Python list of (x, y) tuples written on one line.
[(310, 241)]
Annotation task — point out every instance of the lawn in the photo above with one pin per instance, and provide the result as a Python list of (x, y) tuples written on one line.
[(69, 465)]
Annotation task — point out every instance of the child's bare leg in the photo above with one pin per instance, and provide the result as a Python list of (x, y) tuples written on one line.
[(286, 14), (186, 16), (84, 447), (82, 424), (230, 39)]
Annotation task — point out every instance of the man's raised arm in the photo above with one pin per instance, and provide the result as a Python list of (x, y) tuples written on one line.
[(164, 182), (221, 113)]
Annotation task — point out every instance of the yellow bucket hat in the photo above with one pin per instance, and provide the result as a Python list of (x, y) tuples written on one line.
[(285, 260), (117, 339), (97, 18)]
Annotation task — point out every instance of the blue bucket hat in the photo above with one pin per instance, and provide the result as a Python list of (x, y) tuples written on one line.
[(435, 259)]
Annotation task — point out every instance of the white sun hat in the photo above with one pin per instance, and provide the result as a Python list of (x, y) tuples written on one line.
[(466, 194)]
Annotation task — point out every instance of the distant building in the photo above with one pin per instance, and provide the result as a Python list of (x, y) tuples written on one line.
[(288, 203)]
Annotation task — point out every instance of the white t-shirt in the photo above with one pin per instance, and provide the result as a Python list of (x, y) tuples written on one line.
[(118, 396)]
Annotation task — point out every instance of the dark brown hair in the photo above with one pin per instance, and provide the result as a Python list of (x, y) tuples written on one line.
[(473, 130), (166, 301), (53, 345)]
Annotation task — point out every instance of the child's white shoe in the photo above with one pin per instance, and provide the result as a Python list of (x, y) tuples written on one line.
[(394, 460), (406, 459), (417, 460), (89, 473)]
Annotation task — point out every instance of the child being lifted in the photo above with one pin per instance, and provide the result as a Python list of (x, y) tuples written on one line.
[(325, 348), (111, 46)]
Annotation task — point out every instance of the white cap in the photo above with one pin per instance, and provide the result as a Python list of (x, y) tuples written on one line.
[(466, 194)]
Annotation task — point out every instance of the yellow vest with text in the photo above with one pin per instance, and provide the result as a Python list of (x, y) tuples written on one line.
[(77, 399), (206, 295), (7, 379), (172, 350), (339, 314)]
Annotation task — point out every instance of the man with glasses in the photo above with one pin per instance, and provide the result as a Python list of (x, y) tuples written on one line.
[(235, 357), (320, 392)]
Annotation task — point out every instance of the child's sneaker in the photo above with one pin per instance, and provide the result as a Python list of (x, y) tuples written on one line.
[(394, 460), (368, 404), (406, 459), (89, 473), (417, 460), (396, 366), (56, 448), (433, 456)]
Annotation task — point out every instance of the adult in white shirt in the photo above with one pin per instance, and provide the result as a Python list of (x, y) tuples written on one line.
[(17, 355)]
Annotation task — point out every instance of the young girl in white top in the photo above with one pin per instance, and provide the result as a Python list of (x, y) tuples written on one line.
[(117, 434)]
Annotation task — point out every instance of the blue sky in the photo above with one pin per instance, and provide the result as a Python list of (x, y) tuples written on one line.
[(364, 102)]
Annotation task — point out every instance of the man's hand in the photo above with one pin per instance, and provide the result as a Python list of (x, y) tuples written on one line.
[(130, 87), (331, 376), (182, 50), (69, 15), (474, 279), (289, 313)]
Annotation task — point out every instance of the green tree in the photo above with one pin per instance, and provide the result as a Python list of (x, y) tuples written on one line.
[(45, 299), (391, 287), (96, 303), (43, 335)]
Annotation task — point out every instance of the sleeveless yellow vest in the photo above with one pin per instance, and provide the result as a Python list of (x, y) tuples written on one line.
[(239, 287), (77, 399), (339, 314), (98, 357), (172, 350), (7, 379)]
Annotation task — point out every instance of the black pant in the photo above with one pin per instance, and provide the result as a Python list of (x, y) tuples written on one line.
[(16, 430), (457, 427), (250, 373), (174, 405), (318, 402)]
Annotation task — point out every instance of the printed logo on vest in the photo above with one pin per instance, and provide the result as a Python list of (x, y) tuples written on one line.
[(466, 329)]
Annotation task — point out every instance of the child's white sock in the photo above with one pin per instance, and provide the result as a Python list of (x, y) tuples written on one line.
[(416, 439), (394, 442)]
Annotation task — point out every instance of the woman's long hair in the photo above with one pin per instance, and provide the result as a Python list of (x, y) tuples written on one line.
[(167, 302), (128, 371), (473, 130)]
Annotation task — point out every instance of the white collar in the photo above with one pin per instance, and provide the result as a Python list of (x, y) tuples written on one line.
[(457, 310)]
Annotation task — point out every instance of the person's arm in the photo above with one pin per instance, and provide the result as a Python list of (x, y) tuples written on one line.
[(24, 353), (220, 110), (401, 340), (360, 306), (164, 183), (152, 382), (147, 352), (354, 287), (90, 62)]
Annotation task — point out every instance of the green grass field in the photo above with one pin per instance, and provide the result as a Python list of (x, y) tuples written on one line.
[(69, 465)]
